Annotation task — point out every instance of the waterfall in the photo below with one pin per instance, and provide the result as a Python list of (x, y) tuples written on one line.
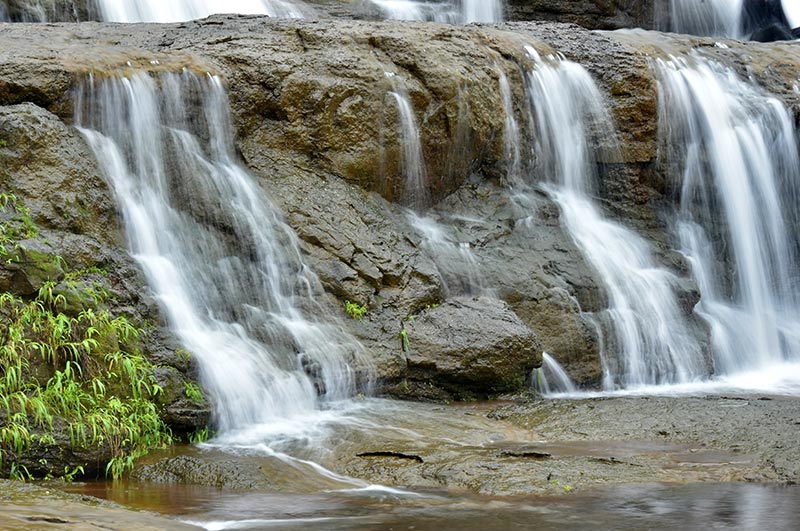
[(457, 12), (458, 268), (721, 18), (551, 378), (181, 10), (143, 10), (511, 132), (224, 267), (651, 342), (732, 149), (792, 11), (416, 192), (38, 11), (481, 11)]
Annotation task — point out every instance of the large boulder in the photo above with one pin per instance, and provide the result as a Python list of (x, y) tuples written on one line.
[(469, 346)]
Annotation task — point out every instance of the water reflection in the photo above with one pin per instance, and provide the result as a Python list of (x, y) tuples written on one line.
[(740, 507)]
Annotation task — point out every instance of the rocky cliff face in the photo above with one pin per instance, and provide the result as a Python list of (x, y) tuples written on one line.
[(591, 14), (316, 125)]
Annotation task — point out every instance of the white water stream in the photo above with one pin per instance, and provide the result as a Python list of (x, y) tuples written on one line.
[(720, 18), (222, 264), (458, 267), (150, 10), (453, 12), (416, 192), (551, 378), (733, 151), (650, 340), (182, 10)]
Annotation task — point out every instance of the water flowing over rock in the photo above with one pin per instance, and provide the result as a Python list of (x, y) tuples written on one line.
[(720, 18), (143, 11), (222, 264), (180, 10), (649, 341), (733, 151), (314, 123), (550, 378), (416, 192), (454, 12)]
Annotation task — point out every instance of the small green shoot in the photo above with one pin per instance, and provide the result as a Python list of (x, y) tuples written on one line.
[(355, 310)]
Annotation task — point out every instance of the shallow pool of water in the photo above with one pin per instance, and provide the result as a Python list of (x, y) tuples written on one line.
[(737, 506)]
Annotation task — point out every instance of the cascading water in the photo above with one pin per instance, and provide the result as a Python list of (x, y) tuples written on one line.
[(511, 132), (551, 378), (763, 20), (416, 193), (720, 18), (459, 269), (650, 340), (225, 269), (143, 10), (182, 10), (733, 151), (482, 11), (39, 11), (458, 12)]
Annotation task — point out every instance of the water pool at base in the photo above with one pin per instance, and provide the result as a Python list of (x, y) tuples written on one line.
[(738, 506)]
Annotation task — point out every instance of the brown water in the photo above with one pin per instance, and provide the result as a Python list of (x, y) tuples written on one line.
[(630, 507)]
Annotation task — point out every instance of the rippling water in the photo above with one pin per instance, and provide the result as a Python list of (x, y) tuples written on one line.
[(630, 507)]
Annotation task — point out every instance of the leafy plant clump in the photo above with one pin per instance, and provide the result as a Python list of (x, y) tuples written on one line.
[(193, 392), (101, 391), (15, 224), (76, 380), (355, 310)]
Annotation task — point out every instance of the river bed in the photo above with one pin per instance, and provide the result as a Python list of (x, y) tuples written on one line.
[(697, 462)]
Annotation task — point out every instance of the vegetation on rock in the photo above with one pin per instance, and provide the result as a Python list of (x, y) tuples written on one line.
[(355, 310), (70, 376)]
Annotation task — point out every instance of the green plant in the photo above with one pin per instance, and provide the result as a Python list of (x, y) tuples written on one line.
[(103, 391), (200, 436), (19, 226), (193, 392), (567, 489), (68, 475), (404, 339), (355, 310), (82, 374)]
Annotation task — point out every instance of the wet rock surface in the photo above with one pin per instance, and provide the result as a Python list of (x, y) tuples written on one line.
[(560, 446), (25, 506), (591, 14), (469, 346), (536, 447)]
